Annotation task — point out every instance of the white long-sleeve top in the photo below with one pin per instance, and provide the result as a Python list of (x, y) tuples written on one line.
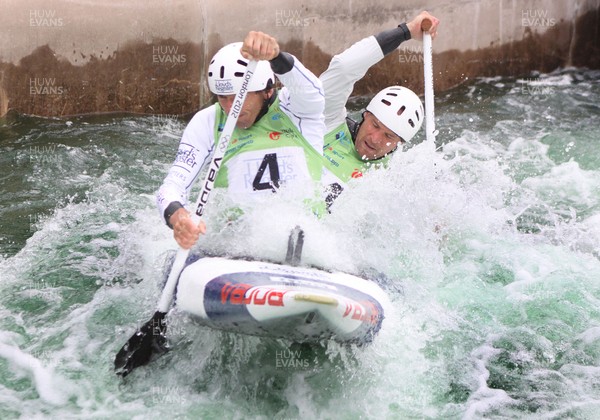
[(345, 69), (301, 99)]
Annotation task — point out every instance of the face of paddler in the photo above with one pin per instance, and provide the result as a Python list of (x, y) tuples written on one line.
[(374, 139), (251, 108)]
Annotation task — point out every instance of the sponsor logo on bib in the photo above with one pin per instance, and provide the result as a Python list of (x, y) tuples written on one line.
[(357, 173), (344, 140)]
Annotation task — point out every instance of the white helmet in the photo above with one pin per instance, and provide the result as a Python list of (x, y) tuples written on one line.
[(227, 68), (400, 109)]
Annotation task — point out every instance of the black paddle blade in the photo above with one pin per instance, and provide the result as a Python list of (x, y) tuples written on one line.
[(146, 344)]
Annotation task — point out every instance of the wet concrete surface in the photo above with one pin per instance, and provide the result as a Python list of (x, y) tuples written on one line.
[(168, 77)]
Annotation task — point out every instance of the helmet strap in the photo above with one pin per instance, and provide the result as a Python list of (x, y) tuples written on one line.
[(353, 127), (265, 106)]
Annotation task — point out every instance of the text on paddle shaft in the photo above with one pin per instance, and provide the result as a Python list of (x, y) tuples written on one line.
[(237, 106), (208, 185), (235, 294)]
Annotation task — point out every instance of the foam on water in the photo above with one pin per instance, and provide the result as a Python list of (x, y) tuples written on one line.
[(50, 387)]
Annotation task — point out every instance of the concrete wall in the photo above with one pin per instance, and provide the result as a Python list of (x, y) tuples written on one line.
[(63, 57)]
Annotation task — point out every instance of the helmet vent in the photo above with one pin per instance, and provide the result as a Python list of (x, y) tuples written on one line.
[(401, 110), (417, 114), (222, 73), (386, 102), (412, 124), (242, 63), (238, 74), (391, 94)]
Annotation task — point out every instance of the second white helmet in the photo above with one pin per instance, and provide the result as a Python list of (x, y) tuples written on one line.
[(400, 109), (226, 72)]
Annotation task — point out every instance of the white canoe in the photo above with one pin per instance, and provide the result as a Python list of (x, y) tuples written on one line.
[(281, 301)]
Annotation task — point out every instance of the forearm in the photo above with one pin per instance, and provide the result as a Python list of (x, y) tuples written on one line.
[(195, 149), (351, 65), (392, 38), (167, 208), (344, 70), (171, 197), (283, 63)]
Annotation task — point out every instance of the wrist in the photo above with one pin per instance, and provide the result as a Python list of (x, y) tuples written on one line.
[(406, 30), (282, 63), (170, 212)]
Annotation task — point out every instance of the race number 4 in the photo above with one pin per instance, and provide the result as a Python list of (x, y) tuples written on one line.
[(269, 161)]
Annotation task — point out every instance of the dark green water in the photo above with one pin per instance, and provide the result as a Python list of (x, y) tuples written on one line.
[(491, 245)]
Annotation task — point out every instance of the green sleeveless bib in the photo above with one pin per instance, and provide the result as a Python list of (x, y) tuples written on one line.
[(271, 153)]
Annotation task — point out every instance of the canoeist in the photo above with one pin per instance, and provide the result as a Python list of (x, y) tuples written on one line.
[(278, 140), (392, 118)]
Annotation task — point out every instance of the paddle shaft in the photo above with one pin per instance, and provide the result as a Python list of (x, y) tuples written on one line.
[(209, 181), (428, 78), (149, 340)]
